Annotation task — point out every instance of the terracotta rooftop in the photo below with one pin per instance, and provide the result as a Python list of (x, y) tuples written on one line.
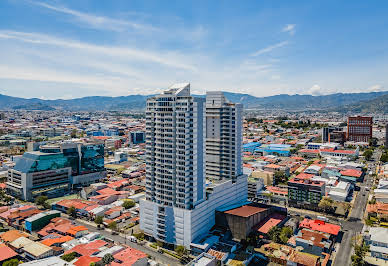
[(12, 235), (6, 253), (245, 211), (320, 226)]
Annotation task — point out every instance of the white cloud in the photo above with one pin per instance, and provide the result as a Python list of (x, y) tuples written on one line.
[(376, 88), (315, 90), (170, 59), (290, 28), (94, 21), (270, 48)]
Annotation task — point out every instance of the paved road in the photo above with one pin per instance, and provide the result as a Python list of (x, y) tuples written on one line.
[(354, 225), (119, 239)]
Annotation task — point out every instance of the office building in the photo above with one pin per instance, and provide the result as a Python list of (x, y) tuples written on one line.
[(223, 137), (178, 209), (55, 168), (37, 173), (86, 159), (360, 128), (137, 137)]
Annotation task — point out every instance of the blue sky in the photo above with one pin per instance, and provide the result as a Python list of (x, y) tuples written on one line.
[(69, 49)]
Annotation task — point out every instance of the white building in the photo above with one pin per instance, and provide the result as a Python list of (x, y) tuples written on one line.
[(376, 238), (176, 209), (223, 137)]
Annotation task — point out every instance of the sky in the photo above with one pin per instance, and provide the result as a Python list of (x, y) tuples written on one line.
[(70, 49)]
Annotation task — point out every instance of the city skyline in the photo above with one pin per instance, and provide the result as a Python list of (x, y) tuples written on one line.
[(68, 49)]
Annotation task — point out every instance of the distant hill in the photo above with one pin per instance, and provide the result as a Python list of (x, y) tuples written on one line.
[(377, 105), (137, 102)]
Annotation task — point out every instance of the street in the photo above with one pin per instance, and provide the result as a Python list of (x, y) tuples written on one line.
[(353, 226)]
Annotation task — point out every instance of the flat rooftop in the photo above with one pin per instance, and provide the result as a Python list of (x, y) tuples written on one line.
[(245, 211)]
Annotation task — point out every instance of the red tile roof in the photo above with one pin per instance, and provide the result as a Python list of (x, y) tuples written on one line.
[(307, 182), (86, 260), (320, 226), (304, 176), (351, 172), (6, 253), (88, 249), (51, 241), (272, 220), (128, 256)]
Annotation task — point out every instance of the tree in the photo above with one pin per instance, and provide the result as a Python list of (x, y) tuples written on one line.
[(280, 177), (98, 219), (180, 250), (139, 236), (112, 226), (129, 204), (11, 262), (368, 154), (108, 259), (72, 211), (359, 254), (326, 203), (285, 234), (41, 200), (159, 243), (73, 133), (274, 234), (69, 257)]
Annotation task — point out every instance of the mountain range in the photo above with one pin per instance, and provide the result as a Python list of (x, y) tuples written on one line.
[(352, 102)]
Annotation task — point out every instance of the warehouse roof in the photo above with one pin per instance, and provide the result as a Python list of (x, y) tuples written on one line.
[(245, 211)]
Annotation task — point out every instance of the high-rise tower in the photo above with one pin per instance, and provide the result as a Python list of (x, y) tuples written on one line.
[(178, 209), (223, 137)]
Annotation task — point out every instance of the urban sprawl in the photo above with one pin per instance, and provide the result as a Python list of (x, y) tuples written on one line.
[(193, 181)]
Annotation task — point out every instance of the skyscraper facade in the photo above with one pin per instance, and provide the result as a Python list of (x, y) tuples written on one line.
[(180, 202), (223, 137), (360, 128)]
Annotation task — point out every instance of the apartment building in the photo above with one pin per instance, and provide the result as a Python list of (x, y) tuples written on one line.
[(223, 137), (178, 209), (305, 193), (360, 128)]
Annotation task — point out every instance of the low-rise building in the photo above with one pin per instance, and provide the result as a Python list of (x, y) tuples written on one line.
[(376, 238)]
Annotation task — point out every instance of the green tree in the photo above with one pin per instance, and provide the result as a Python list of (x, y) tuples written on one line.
[(112, 226), (285, 234), (98, 219), (72, 211), (368, 154), (274, 234), (280, 178), (180, 250), (41, 200), (326, 203), (159, 243), (129, 204), (108, 259), (73, 133), (139, 236), (11, 262), (69, 257), (359, 255)]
